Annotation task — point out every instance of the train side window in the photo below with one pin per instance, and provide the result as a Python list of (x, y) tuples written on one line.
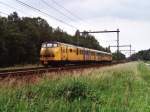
[(70, 50)]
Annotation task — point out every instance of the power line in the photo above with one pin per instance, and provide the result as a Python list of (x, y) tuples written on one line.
[(130, 50), (11, 7), (66, 10), (4, 13), (61, 21), (50, 6), (71, 13)]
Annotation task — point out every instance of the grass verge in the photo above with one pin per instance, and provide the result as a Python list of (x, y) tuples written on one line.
[(121, 88)]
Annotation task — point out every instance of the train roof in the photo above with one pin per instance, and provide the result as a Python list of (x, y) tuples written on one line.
[(79, 47)]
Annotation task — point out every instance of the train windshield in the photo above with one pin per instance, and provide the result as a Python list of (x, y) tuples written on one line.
[(49, 45)]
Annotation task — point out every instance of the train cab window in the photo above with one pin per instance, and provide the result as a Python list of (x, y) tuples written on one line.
[(55, 45), (43, 45), (49, 45)]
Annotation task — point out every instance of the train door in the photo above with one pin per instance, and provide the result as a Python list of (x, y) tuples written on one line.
[(78, 54), (94, 56), (67, 53), (63, 53), (84, 57)]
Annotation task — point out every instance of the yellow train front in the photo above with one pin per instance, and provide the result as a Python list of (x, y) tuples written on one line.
[(57, 53)]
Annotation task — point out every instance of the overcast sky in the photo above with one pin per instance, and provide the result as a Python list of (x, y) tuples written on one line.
[(132, 17)]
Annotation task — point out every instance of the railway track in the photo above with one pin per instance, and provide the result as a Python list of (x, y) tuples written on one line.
[(42, 70)]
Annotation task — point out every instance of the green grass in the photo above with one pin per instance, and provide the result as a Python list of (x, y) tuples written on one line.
[(121, 88)]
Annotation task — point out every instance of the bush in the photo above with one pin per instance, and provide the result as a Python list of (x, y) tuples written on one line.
[(72, 91)]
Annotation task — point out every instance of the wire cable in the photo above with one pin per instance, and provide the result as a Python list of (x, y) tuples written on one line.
[(4, 13), (66, 10), (50, 6), (61, 21), (11, 7), (69, 12)]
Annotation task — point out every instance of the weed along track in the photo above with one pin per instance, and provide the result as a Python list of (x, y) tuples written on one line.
[(41, 70), (122, 88)]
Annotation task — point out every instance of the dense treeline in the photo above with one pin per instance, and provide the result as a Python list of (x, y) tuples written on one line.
[(21, 38), (141, 55), (118, 56)]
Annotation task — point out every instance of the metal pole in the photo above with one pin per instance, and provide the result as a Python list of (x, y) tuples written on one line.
[(130, 50), (118, 43), (78, 40)]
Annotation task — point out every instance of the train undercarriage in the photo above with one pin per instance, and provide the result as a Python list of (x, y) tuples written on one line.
[(63, 63)]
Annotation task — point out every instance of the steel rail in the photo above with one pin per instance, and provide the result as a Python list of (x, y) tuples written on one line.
[(42, 70)]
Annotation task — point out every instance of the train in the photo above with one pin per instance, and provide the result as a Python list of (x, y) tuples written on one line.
[(58, 53)]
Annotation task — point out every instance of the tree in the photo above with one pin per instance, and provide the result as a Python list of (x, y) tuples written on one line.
[(141, 55), (21, 39), (118, 56)]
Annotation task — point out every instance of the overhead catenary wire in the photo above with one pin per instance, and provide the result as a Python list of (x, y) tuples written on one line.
[(4, 13), (75, 16), (36, 9), (69, 12), (50, 6), (11, 7)]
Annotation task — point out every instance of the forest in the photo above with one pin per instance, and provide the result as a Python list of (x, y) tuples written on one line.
[(21, 39), (141, 55)]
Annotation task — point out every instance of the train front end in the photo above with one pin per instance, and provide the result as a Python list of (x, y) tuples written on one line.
[(50, 53)]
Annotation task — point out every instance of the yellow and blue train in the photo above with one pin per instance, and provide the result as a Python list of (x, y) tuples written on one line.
[(57, 53)]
